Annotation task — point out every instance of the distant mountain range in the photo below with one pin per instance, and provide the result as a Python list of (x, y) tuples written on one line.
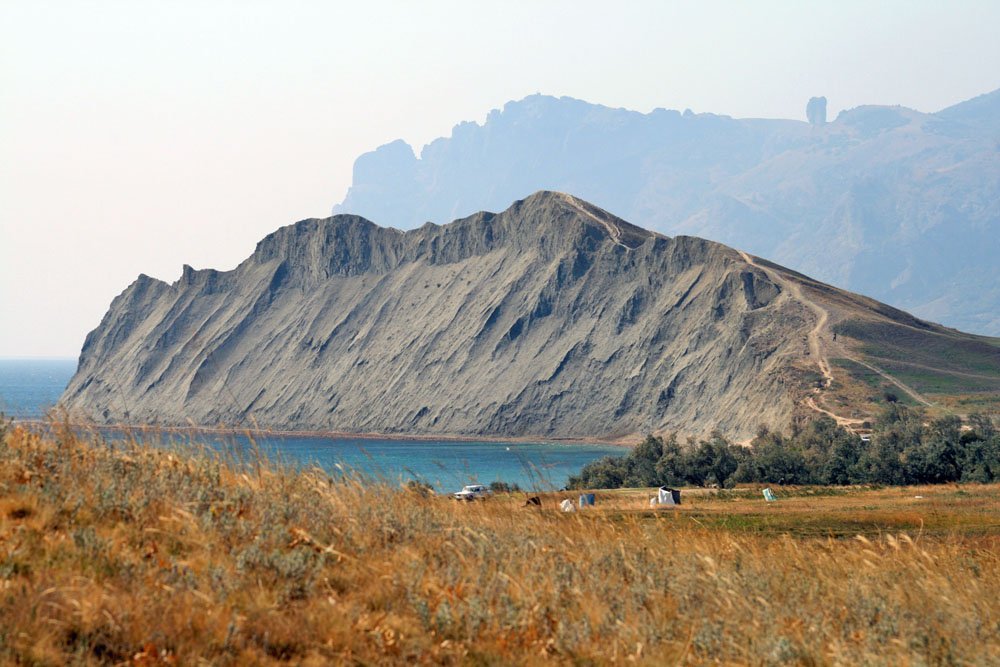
[(890, 202), (551, 319)]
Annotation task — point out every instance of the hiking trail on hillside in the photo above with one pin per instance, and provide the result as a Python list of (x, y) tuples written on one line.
[(614, 233), (816, 350)]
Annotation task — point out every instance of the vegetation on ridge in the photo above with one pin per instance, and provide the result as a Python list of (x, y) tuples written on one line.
[(139, 555)]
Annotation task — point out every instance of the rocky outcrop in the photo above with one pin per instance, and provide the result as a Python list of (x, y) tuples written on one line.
[(816, 111), (551, 319)]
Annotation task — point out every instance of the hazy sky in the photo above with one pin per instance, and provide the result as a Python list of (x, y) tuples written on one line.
[(138, 136)]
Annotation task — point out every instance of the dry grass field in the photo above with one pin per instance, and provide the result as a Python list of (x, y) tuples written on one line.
[(942, 511), (142, 556)]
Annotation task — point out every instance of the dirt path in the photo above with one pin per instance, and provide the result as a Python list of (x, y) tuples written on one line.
[(843, 421), (822, 317), (613, 231), (816, 347), (911, 392)]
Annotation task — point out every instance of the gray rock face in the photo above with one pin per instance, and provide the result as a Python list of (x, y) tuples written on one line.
[(886, 201), (816, 111), (553, 318)]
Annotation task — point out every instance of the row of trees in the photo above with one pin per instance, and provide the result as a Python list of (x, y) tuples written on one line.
[(904, 449)]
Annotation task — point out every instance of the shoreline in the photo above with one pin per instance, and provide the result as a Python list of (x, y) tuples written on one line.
[(625, 442)]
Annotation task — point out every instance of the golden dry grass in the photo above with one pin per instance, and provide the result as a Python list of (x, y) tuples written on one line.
[(139, 555)]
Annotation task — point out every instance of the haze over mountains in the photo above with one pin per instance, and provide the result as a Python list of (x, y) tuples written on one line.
[(553, 318), (886, 201)]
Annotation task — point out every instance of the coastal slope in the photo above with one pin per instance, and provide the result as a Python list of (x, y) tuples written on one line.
[(552, 319)]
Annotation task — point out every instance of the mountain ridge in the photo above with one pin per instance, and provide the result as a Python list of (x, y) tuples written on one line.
[(883, 200), (551, 319)]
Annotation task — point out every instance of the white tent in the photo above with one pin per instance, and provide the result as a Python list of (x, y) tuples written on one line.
[(668, 496)]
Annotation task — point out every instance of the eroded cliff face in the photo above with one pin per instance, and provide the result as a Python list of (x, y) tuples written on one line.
[(551, 319)]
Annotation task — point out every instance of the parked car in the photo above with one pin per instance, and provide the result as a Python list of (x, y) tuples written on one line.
[(472, 492)]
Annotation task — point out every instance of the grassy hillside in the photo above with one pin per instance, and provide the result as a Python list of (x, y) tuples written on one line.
[(939, 361), (146, 556)]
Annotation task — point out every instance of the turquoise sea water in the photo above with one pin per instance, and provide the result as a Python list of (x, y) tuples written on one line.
[(446, 465), (29, 386)]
